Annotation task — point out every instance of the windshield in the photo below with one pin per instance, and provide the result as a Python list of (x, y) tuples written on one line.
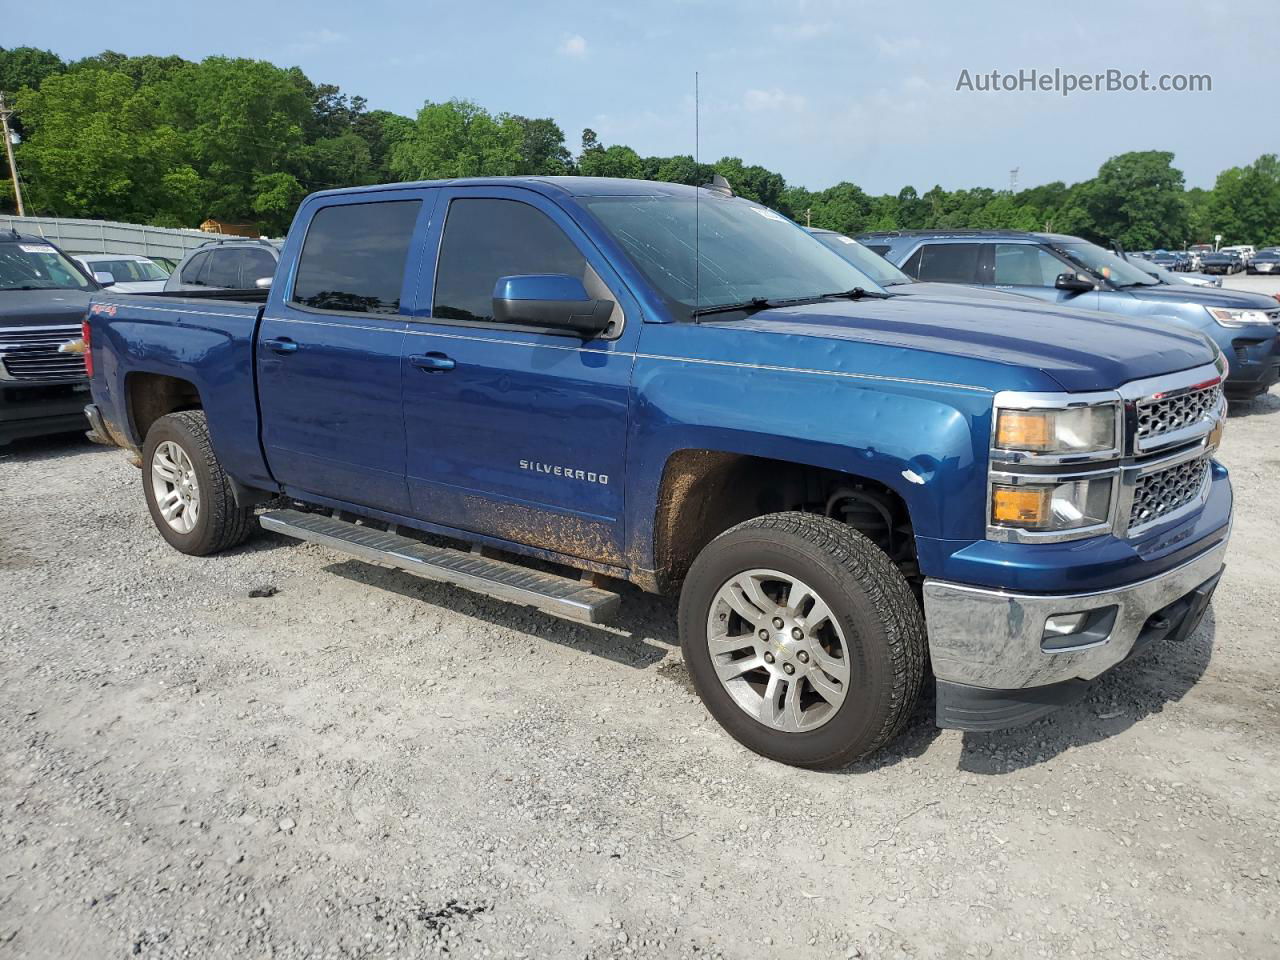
[(126, 271), (746, 251), (1106, 265), (868, 261), (38, 266)]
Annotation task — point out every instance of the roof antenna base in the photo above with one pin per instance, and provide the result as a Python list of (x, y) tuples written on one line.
[(719, 185)]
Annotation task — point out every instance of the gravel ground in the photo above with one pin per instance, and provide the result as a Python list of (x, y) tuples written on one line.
[(368, 765)]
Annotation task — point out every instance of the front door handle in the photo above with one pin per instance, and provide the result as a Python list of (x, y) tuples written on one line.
[(432, 362), (281, 345)]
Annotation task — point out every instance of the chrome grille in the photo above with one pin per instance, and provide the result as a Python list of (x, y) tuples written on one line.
[(1159, 494), (31, 354), (1158, 417)]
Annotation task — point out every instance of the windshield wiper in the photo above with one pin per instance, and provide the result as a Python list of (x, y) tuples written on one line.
[(859, 293), (755, 303)]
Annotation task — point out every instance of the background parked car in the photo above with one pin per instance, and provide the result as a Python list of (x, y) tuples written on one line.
[(1074, 272), (1223, 262), (1244, 250), (1265, 261), (128, 272), (890, 277), (1168, 276), (231, 264), (43, 299)]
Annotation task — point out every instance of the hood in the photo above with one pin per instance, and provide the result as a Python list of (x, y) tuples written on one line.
[(1080, 350), (40, 308), (1204, 296), (927, 288)]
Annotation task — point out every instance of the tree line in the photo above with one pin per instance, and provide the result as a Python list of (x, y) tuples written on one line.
[(171, 142)]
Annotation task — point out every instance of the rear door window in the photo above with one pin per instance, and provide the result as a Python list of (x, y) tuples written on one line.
[(224, 269), (947, 262), (354, 257), (255, 263)]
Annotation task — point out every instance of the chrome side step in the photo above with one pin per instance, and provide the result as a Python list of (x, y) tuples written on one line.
[(562, 596)]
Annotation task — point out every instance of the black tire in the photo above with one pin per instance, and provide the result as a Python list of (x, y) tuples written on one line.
[(877, 612), (222, 523)]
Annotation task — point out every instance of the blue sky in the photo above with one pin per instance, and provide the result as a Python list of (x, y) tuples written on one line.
[(819, 90)]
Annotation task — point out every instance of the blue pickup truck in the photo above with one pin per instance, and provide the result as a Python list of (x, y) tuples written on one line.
[(545, 388)]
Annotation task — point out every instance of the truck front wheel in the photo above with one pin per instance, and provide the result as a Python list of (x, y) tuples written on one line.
[(803, 639), (188, 493)]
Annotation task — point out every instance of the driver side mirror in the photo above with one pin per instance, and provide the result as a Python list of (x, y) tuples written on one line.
[(550, 300), (104, 278), (1073, 283)]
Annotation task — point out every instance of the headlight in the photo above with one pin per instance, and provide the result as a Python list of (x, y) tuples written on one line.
[(1227, 317), (1074, 430), (1053, 506)]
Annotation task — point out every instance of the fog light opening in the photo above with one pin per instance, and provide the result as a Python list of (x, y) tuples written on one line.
[(1064, 624)]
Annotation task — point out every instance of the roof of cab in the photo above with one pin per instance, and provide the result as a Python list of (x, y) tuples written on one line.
[(572, 186)]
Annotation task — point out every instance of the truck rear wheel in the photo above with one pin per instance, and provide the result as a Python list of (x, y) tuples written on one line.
[(188, 493), (803, 639)]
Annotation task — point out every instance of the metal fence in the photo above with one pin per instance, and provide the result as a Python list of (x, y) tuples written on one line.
[(105, 236)]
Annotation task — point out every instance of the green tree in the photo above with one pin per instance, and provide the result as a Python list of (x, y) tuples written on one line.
[(1136, 199), (1245, 204), (614, 161), (459, 139)]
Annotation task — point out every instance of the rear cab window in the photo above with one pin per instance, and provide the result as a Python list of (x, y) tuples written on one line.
[(354, 256)]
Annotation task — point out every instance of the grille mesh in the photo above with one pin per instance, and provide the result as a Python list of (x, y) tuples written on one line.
[(1158, 417), (1159, 494), (32, 354)]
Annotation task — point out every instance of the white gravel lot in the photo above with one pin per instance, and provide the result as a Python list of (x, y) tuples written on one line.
[(369, 765)]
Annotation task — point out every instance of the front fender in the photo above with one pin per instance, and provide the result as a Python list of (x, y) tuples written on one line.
[(924, 441)]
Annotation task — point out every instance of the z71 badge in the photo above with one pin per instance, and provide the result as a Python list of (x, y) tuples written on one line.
[(569, 473)]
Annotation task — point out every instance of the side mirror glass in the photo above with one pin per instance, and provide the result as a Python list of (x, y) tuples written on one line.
[(104, 278), (263, 283), (550, 300), (1073, 283)]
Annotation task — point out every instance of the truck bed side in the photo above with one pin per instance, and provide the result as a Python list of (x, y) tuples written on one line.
[(155, 354)]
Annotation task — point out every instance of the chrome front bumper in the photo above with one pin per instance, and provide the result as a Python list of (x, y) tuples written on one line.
[(993, 639)]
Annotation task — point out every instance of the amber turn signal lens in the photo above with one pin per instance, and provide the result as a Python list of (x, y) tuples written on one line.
[(1022, 430), (1019, 506)]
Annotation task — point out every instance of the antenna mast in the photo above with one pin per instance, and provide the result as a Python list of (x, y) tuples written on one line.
[(697, 193)]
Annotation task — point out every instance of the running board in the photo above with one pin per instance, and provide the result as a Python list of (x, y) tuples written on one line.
[(562, 596)]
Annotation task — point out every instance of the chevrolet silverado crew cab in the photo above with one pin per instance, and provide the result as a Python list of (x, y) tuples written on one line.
[(1076, 273), (543, 388), (43, 298)]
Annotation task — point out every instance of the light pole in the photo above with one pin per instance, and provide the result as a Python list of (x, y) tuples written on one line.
[(5, 113)]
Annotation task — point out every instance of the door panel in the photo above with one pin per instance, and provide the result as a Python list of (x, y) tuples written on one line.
[(513, 432), (329, 358)]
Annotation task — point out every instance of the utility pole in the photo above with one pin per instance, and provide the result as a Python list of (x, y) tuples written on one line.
[(808, 217), (5, 113)]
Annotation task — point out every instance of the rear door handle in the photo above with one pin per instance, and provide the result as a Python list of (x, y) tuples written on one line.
[(281, 345), (432, 362)]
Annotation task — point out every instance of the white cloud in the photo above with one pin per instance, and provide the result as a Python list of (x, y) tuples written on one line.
[(775, 99), (574, 45), (806, 30), (323, 37), (896, 48)]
